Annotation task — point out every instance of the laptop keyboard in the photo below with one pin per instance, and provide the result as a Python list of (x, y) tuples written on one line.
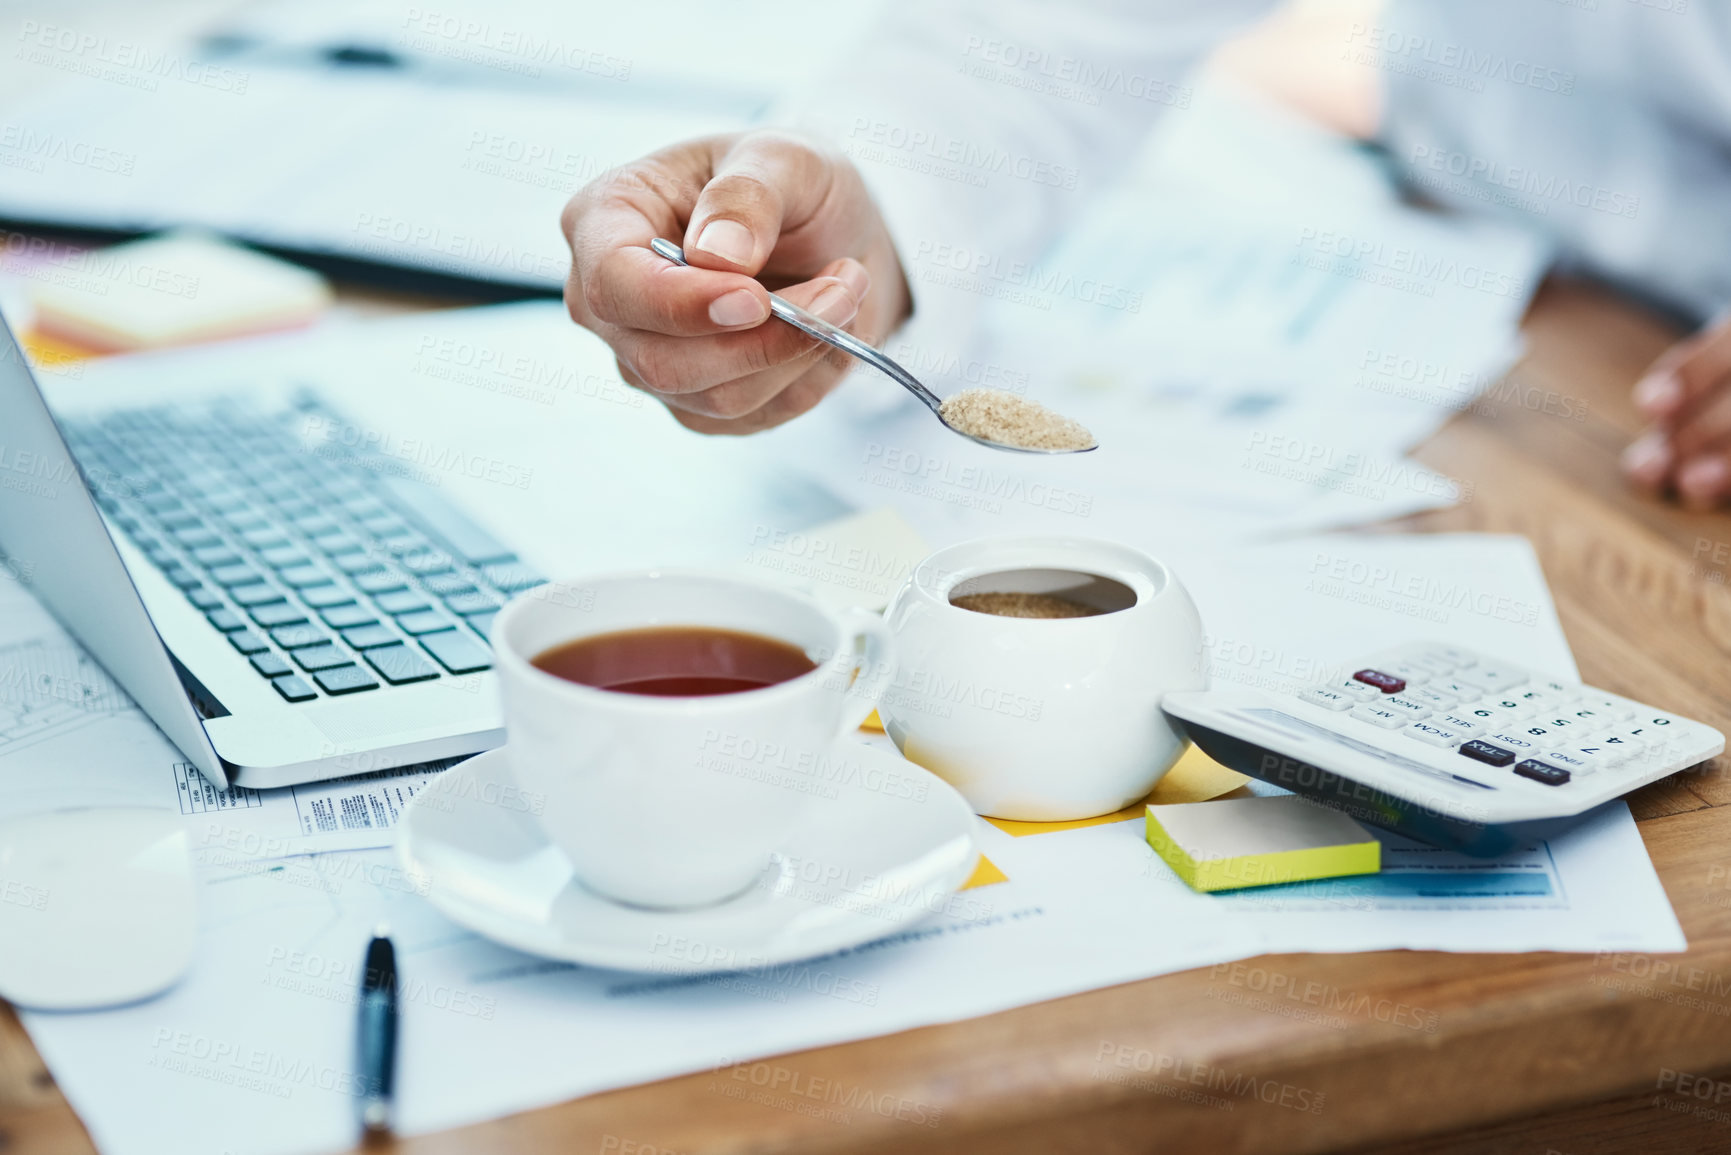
[(329, 572)]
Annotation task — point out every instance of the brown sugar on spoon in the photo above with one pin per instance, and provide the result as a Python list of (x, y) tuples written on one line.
[(994, 415)]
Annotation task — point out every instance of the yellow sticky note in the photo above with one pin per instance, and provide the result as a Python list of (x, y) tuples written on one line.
[(1195, 778), (985, 874), (1238, 842)]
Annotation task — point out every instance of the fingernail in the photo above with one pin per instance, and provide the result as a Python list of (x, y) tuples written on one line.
[(1647, 458), (737, 308), (1702, 481), (835, 305), (1658, 393), (729, 240), (854, 276)]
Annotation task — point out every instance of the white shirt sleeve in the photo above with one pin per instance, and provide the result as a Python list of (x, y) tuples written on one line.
[(981, 127), (1606, 125)]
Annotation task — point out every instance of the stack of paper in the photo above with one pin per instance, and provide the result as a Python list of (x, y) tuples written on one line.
[(252, 1052)]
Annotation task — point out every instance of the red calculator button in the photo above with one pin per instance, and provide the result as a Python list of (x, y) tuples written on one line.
[(1387, 683)]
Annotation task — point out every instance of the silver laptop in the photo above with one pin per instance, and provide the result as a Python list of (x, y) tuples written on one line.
[(286, 606)]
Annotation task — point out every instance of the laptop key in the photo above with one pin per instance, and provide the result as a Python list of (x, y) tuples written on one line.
[(512, 576), (274, 614), (297, 636), (303, 575), (424, 622), (183, 577), (427, 562), (196, 537), (343, 616), (211, 556), (345, 680), (371, 636), (256, 594), (204, 598), (282, 556), (356, 563), (295, 690), (401, 602), (400, 665), (447, 585), (458, 652), (233, 575), (270, 665), (261, 536), (247, 642), (472, 543), (336, 541), (226, 620), (325, 657), (482, 623), (324, 596), (474, 602), (382, 582)]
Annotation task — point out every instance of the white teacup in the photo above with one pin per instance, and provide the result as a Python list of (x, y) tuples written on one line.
[(1042, 720), (678, 802)]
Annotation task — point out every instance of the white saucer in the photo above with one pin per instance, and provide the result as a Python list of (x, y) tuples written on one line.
[(888, 849)]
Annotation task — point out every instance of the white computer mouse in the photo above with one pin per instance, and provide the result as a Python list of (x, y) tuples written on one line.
[(97, 907)]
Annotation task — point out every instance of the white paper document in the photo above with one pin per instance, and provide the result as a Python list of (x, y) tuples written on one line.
[(70, 736), (251, 1053)]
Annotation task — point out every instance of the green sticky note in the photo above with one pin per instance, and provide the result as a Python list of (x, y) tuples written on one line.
[(1231, 843)]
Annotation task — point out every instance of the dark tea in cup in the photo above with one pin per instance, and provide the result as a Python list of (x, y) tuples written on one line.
[(675, 661)]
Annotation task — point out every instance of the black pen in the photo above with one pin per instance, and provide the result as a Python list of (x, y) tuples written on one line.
[(376, 1035)]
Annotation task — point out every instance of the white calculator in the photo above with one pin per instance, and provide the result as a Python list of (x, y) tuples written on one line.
[(1447, 745)]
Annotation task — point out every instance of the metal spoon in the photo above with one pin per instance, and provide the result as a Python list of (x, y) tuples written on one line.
[(814, 326)]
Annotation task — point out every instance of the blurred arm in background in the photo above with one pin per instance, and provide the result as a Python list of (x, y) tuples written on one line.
[(1606, 126)]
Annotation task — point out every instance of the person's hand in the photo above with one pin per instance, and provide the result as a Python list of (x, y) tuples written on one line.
[(744, 206), (1687, 394)]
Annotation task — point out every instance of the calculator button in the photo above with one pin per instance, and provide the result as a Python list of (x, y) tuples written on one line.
[(1481, 751), (1466, 727), (1588, 714), (1328, 698), (1521, 745), (1560, 723), (1354, 689), (1605, 707), (1413, 672), (1455, 688), (1491, 679), (1377, 680), (1411, 707), (1378, 714), (1434, 734), (1542, 772), (1430, 698), (1593, 753), (1620, 741), (1534, 699), (1573, 763)]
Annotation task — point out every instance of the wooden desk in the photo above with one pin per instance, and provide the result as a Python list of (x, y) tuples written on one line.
[(1528, 1053)]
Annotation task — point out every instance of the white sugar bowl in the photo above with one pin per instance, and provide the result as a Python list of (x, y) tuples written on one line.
[(1042, 719)]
